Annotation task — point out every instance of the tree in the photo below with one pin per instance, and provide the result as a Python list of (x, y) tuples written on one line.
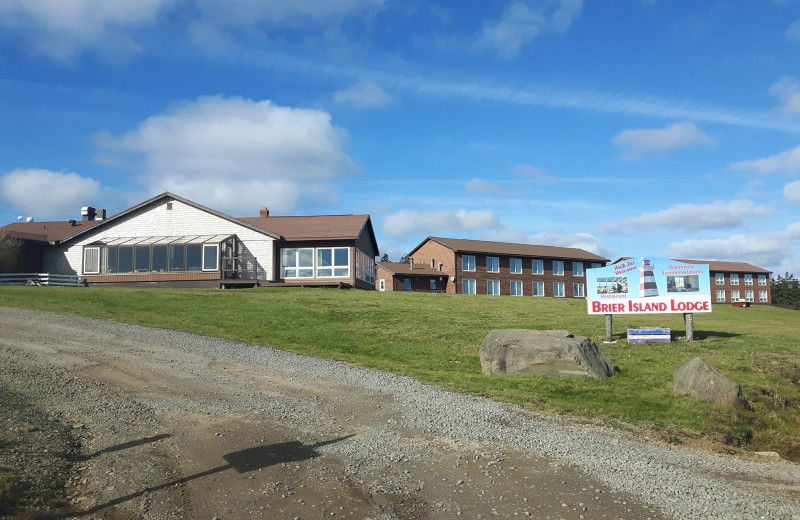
[(10, 248), (786, 291), (385, 257)]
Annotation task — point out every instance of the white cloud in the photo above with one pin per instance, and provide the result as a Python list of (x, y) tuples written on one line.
[(692, 217), (233, 154), (792, 192), (365, 94), (520, 24), (793, 32), (479, 185), (788, 161), (63, 30), (788, 90), (793, 231), (763, 250), (636, 142), (254, 12), (585, 241), (408, 221), (48, 194), (533, 173)]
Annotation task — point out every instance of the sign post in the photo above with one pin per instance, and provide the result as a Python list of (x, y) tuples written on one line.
[(649, 285)]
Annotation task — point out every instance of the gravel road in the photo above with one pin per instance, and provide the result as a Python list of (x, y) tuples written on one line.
[(106, 420)]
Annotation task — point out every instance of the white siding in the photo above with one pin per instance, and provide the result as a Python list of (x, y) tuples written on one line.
[(157, 220)]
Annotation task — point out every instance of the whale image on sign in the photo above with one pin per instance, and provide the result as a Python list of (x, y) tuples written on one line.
[(648, 285)]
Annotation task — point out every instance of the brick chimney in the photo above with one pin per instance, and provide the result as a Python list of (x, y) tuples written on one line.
[(264, 213)]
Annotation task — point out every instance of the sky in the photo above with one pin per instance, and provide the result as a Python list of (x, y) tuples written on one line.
[(625, 128)]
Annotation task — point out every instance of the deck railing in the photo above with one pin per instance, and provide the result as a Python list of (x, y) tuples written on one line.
[(70, 280)]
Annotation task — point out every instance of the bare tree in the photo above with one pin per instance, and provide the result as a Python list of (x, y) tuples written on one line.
[(10, 248)]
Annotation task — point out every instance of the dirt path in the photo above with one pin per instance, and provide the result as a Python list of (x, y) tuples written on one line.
[(149, 431)]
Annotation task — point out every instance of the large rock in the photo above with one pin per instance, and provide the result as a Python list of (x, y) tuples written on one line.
[(702, 381), (522, 352)]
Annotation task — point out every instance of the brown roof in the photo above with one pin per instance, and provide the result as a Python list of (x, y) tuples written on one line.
[(317, 227), (48, 231), (505, 248), (404, 268), (714, 265)]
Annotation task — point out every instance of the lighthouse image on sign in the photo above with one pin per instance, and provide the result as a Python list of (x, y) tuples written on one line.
[(647, 282)]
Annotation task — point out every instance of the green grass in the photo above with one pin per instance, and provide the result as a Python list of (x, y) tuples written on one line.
[(7, 483), (436, 338)]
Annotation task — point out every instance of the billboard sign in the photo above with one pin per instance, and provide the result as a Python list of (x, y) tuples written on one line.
[(648, 285)]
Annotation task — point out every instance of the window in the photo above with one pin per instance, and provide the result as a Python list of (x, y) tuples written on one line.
[(577, 290), (516, 288), (748, 296), (748, 279), (365, 267), (333, 262), (762, 279), (381, 285), (595, 265), (492, 264), (538, 288), (558, 289), (297, 263), (210, 257), (719, 278), (558, 267), (142, 259), (468, 286), (407, 284), (720, 296), (537, 266), (515, 265), (108, 260), (433, 263), (493, 287), (91, 260), (468, 263), (734, 279), (734, 296), (577, 268), (159, 259), (194, 257), (125, 259), (175, 257), (433, 285), (762, 296)]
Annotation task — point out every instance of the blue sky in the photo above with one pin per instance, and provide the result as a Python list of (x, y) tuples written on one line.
[(627, 128)]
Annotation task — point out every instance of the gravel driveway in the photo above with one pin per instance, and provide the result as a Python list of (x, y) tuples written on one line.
[(106, 420)]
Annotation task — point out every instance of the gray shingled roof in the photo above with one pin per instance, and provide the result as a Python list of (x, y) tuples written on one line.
[(461, 245)]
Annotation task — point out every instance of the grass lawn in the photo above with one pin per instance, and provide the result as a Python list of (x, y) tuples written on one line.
[(436, 338)]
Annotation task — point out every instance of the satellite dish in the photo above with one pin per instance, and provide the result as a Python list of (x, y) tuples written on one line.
[(29, 219)]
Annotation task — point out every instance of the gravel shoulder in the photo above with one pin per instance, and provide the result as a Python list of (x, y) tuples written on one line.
[(107, 420)]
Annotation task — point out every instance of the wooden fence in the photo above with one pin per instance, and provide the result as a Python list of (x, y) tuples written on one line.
[(41, 279)]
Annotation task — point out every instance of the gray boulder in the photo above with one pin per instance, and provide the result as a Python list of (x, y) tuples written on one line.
[(557, 353), (702, 381)]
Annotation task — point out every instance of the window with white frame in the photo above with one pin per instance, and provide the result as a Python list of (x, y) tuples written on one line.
[(558, 267), (333, 262), (748, 279), (762, 296), (537, 266), (762, 279), (515, 265), (734, 279), (493, 287), (558, 289), (297, 262), (720, 296), (91, 260), (749, 296), (210, 257), (381, 284), (577, 268), (719, 278), (538, 289), (468, 263), (492, 264), (516, 287), (577, 290), (734, 296), (468, 286)]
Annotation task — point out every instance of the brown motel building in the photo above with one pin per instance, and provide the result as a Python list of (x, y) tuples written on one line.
[(458, 266)]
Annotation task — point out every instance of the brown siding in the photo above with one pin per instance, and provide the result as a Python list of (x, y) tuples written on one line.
[(727, 286), (445, 256), (481, 275), (351, 280)]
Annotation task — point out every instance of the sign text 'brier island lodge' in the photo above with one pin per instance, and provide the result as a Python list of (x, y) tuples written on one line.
[(648, 285)]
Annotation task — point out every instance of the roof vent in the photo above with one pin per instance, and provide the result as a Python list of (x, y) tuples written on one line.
[(410, 264), (101, 214), (72, 222), (264, 213)]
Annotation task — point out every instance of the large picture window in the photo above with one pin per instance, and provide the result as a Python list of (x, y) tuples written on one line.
[(333, 262), (154, 255), (297, 263)]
